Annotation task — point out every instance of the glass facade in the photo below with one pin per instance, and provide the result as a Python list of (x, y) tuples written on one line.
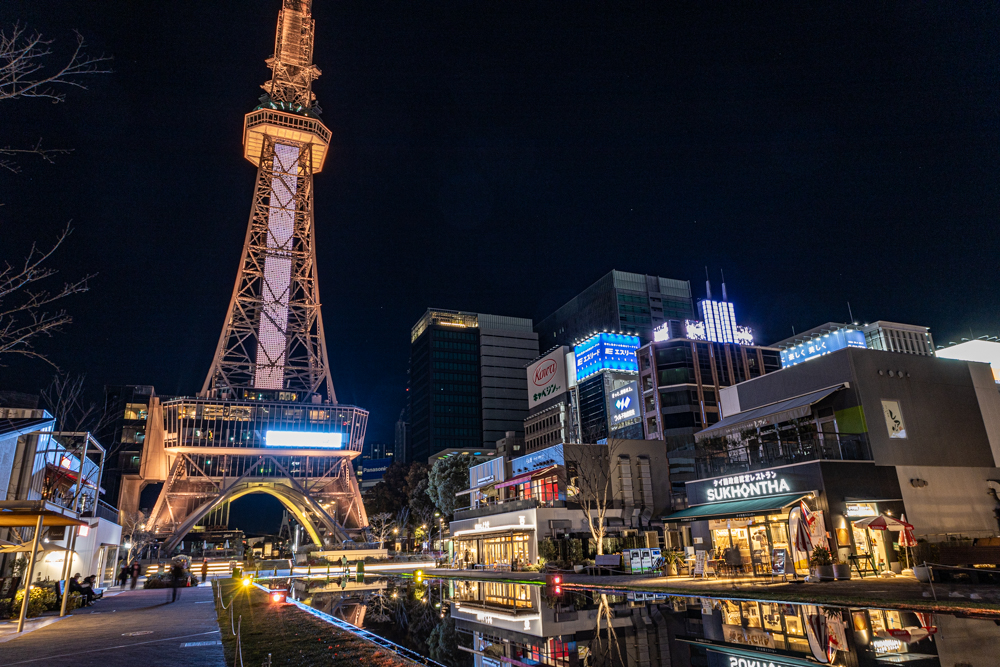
[(445, 403), (632, 303)]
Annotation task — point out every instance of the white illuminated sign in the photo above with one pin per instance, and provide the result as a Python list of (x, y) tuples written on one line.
[(886, 646), (485, 527), (694, 330), (304, 439), (754, 662), (861, 509), (765, 483)]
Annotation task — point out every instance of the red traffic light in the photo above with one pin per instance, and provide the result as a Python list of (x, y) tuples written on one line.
[(553, 579), (557, 590)]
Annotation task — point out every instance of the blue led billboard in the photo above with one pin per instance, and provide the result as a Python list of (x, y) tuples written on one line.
[(825, 344), (606, 350)]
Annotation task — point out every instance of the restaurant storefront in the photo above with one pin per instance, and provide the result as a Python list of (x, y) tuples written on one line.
[(497, 541), (756, 515)]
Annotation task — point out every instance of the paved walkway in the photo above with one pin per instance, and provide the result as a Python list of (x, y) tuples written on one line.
[(134, 628)]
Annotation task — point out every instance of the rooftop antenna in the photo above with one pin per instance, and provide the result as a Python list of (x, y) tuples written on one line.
[(708, 285), (723, 285), (793, 329), (849, 312)]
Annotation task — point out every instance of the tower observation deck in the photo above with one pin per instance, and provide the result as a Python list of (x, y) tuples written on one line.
[(267, 418)]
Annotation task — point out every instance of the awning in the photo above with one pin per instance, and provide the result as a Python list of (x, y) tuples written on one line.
[(507, 530), (520, 479), (736, 508), (24, 514), (767, 415)]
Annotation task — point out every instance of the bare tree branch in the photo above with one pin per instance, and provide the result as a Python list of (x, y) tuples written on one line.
[(24, 313), (23, 59), (64, 398), (46, 154)]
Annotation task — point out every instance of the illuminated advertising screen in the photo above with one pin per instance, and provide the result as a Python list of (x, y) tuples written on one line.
[(304, 440), (825, 344), (606, 350), (624, 404)]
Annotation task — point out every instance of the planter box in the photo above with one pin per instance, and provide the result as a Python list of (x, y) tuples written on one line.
[(842, 572), (822, 572)]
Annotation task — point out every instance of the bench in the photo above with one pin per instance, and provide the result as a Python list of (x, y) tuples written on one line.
[(970, 556), (612, 563)]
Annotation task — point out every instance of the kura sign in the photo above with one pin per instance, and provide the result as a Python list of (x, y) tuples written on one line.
[(547, 377)]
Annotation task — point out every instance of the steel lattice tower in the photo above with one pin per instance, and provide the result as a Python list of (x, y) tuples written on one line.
[(273, 334), (267, 419)]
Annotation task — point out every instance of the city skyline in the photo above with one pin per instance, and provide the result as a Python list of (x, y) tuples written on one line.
[(482, 171)]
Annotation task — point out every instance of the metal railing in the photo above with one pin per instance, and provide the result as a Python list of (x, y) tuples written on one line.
[(103, 511), (499, 506), (745, 456)]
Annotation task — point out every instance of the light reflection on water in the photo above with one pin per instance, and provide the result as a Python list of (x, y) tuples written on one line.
[(500, 624)]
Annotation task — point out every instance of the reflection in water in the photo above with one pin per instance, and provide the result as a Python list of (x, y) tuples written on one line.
[(498, 624)]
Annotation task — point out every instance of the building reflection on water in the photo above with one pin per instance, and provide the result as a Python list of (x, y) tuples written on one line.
[(500, 624)]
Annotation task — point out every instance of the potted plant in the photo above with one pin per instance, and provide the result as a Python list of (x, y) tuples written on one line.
[(672, 560), (842, 569), (821, 564)]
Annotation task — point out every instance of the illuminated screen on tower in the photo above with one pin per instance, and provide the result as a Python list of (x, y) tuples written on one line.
[(270, 372), (304, 439)]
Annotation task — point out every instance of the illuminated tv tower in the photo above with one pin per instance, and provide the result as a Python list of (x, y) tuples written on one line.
[(273, 334), (267, 419)]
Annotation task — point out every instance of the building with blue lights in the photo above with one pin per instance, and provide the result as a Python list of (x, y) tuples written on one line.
[(629, 303)]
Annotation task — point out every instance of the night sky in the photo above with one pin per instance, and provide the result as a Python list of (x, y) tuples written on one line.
[(501, 156)]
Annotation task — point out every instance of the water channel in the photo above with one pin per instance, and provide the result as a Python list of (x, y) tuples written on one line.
[(500, 624)]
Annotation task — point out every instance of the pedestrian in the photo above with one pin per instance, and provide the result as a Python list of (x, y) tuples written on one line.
[(136, 569), (204, 570), (123, 574), (343, 562), (177, 574)]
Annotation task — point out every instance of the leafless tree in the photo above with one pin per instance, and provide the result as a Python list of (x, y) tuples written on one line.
[(380, 526), (29, 68), (64, 399), (135, 537), (593, 485), (26, 308)]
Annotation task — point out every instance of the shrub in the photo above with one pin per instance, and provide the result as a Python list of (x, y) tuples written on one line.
[(41, 599), (575, 552)]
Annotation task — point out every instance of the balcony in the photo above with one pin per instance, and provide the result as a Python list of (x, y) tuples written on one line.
[(715, 458), (505, 506), (102, 511)]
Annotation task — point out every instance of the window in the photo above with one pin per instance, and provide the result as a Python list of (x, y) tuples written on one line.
[(136, 411)]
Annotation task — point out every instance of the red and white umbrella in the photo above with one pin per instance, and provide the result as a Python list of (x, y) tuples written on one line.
[(882, 522), (907, 539)]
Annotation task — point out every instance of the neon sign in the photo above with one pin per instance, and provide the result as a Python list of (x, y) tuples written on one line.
[(304, 439)]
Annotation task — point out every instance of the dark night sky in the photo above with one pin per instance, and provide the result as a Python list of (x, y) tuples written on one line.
[(501, 156)]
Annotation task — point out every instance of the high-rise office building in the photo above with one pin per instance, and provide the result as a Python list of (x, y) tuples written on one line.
[(467, 380), (126, 412), (630, 303), (833, 336)]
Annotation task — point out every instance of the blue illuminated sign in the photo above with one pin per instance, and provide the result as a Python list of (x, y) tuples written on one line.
[(374, 468), (304, 439), (606, 350), (825, 344)]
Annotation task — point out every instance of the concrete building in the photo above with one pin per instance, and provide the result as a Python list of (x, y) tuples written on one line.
[(552, 415), (511, 446), (629, 303), (852, 433), (467, 380), (517, 503)]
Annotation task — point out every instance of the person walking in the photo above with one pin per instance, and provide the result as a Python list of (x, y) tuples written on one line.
[(136, 569), (177, 573), (343, 562), (204, 570), (123, 574)]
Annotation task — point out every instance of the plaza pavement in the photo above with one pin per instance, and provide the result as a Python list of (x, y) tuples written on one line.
[(125, 628)]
